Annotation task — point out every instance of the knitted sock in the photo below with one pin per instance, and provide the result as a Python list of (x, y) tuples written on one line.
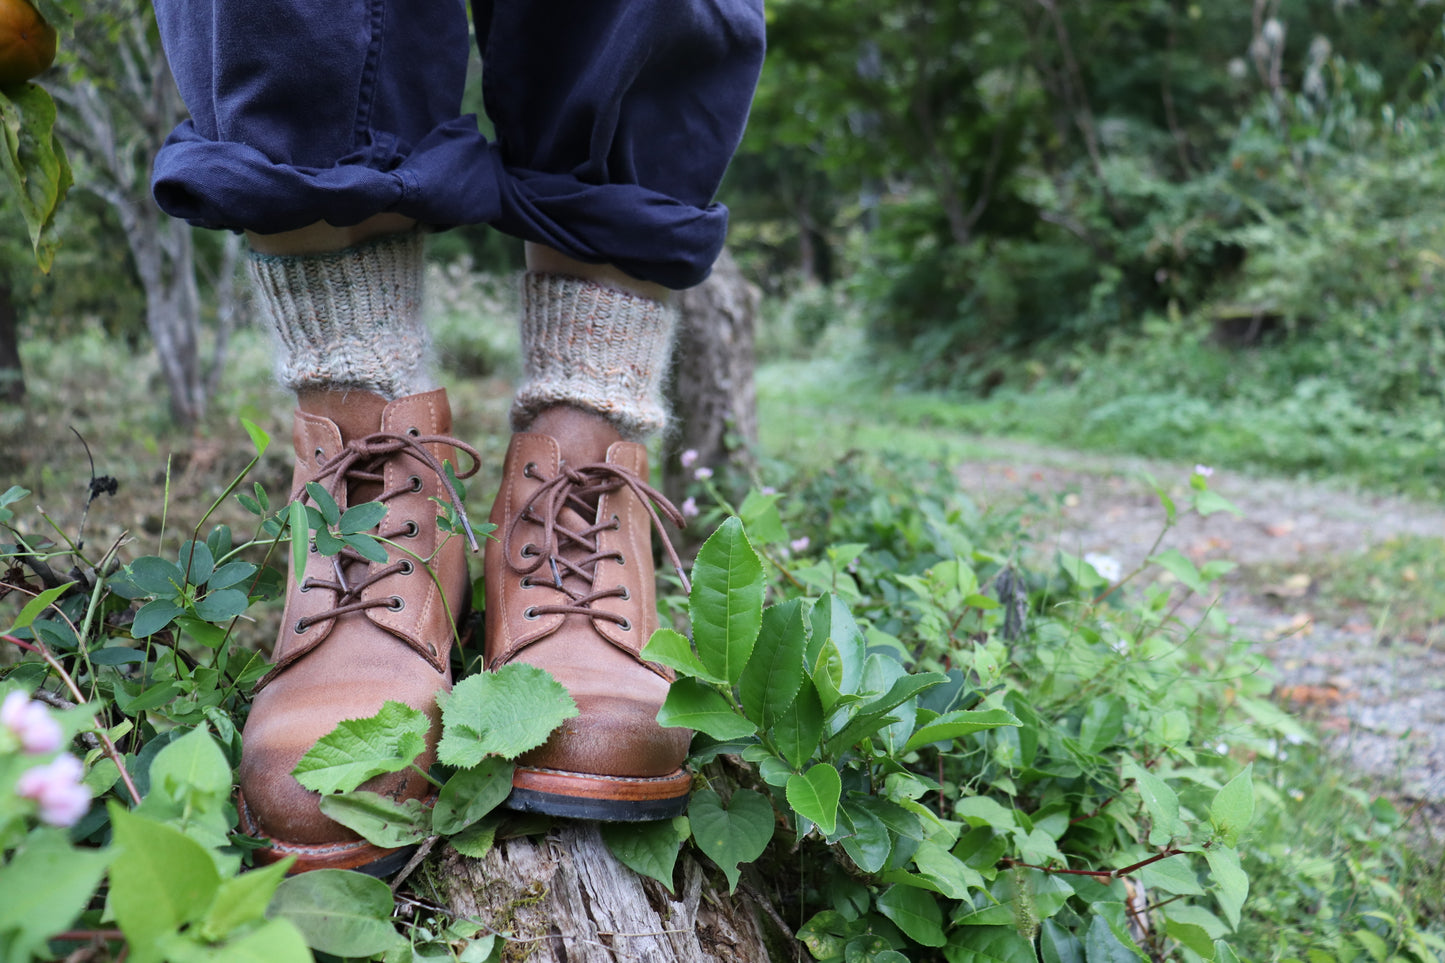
[(349, 318), (593, 347)]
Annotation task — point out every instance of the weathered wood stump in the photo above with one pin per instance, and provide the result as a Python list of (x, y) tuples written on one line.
[(565, 897)]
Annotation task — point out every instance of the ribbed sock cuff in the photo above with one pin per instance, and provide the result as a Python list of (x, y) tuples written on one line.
[(348, 318), (593, 347)]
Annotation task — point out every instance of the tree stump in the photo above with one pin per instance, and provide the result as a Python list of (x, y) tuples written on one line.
[(564, 898), (712, 392)]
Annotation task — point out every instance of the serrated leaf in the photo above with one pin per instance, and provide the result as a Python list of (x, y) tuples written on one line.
[(815, 794), (726, 602), (871, 715), (732, 834), (503, 713), (691, 704), (471, 794), (916, 913), (378, 819), (159, 881), (476, 840), (836, 651), (358, 749), (648, 848), (774, 673), (671, 648), (797, 731), (1232, 809), (360, 518), (953, 725), (338, 912)]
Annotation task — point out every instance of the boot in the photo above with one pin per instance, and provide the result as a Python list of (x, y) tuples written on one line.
[(570, 588), (356, 633)]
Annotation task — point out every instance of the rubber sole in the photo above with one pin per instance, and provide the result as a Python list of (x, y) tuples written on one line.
[(615, 799)]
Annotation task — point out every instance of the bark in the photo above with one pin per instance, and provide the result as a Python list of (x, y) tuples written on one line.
[(12, 376), (712, 392), (565, 897)]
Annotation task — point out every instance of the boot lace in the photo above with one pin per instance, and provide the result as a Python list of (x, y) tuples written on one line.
[(362, 461)]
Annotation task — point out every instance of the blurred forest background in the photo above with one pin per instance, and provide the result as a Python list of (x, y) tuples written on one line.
[(1203, 230)]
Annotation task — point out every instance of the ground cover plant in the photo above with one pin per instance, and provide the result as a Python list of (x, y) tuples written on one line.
[(917, 737)]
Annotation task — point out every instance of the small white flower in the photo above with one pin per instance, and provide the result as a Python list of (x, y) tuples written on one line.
[(1203, 470), (689, 458), (703, 473), (1272, 32), (1107, 566), (800, 544), (1238, 69), (690, 509)]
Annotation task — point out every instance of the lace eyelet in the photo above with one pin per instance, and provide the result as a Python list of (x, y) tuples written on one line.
[(397, 604), (414, 432), (626, 595), (625, 625), (527, 582), (411, 530), (305, 587), (529, 550), (530, 613), (620, 560), (312, 548), (529, 470), (415, 483), (320, 455), (616, 523), (301, 627), (407, 567)]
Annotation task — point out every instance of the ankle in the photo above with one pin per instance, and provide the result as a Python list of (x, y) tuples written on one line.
[(582, 436)]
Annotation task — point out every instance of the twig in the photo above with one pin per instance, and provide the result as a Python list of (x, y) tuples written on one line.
[(422, 852)]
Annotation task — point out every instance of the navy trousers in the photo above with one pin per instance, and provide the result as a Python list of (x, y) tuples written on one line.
[(614, 119)]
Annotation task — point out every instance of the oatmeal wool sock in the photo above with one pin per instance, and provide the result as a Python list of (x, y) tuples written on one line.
[(593, 347), (349, 318)]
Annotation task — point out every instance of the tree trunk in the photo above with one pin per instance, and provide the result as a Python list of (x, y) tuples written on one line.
[(12, 376), (712, 393), (564, 898)]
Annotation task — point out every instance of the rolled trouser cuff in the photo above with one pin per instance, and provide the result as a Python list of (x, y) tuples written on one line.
[(593, 347)]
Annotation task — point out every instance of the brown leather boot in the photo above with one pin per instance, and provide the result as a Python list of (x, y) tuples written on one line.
[(356, 633), (570, 588)]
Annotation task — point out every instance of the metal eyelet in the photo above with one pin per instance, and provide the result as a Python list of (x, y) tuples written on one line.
[(397, 603), (616, 523), (528, 469), (305, 587), (620, 559), (299, 628), (626, 595), (529, 550), (625, 625), (313, 549), (320, 455), (415, 483), (414, 432), (530, 613), (527, 582), (406, 567), (411, 530)]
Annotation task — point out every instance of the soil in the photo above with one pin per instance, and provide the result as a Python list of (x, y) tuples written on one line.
[(1379, 696)]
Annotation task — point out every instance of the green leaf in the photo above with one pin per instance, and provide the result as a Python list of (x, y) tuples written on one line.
[(774, 673), (472, 793), (35, 164), (222, 605), (324, 502), (815, 794), (870, 717), (797, 731), (1194, 937), (159, 880), (300, 541), (358, 749), (156, 576), (153, 616), (732, 834), (1161, 802), (870, 844), (260, 440), (378, 819), (1042, 896), (476, 840), (1178, 564), (989, 944), (671, 648), (503, 713), (232, 573), (274, 941), (35, 606), (31, 913), (338, 912), (1224, 953), (191, 769), (196, 562), (694, 705), (648, 848), (1231, 882), (243, 899), (836, 651), (1102, 944), (1058, 945), (915, 911), (953, 877), (360, 518), (726, 602), (1232, 810), (327, 543), (370, 548), (952, 725)]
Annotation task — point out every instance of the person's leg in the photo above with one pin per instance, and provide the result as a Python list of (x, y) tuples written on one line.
[(302, 133), (615, 135)]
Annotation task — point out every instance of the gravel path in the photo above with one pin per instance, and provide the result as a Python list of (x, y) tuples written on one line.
[(1382, 698)]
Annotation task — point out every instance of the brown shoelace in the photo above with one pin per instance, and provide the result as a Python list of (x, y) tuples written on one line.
[(579, 489), (363, 461)]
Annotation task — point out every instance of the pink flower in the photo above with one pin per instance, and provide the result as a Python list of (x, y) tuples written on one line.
[(703, 473), (63, 798), (689, 458), (767, 490), (31, 723), (1204, 470), (690, 509), (800, 544)]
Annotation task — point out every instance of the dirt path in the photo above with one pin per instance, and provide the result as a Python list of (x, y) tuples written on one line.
[(1382, 697)]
